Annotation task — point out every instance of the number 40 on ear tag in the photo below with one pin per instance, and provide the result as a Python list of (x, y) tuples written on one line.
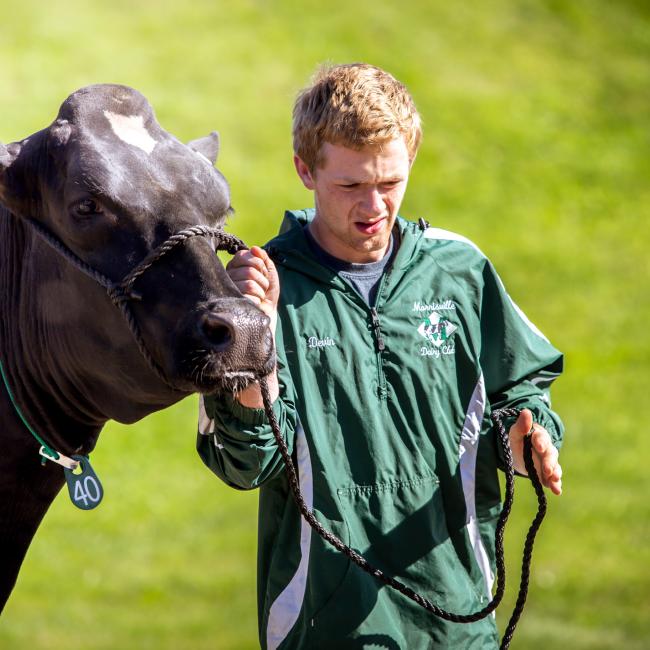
[(83, 485)]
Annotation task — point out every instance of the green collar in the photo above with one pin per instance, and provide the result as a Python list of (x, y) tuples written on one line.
[(47, 452)]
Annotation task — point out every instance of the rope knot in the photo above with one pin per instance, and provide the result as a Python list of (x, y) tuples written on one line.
[(120, 295)]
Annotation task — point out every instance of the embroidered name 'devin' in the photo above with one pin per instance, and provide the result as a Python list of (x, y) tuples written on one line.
[(315, 342)]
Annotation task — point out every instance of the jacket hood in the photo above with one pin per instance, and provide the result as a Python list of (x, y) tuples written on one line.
[(296, 219)]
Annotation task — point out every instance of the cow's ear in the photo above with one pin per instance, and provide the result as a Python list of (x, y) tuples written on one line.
[(59, 133), (208, 146), (8, 155), (4, 156)]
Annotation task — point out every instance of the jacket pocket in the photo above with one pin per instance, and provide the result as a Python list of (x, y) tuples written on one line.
[(400, 528), (396, 524)]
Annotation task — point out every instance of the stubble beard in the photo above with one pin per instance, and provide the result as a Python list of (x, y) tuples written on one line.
[(371, 244)]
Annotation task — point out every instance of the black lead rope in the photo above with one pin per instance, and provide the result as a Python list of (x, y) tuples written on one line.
[(360, 561)]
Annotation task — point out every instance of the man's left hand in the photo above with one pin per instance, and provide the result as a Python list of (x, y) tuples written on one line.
[(545, 455)]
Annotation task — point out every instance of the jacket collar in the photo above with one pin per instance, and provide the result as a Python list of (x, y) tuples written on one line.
[(291, 249)]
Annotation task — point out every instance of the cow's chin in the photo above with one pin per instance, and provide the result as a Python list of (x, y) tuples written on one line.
[(212, 376)]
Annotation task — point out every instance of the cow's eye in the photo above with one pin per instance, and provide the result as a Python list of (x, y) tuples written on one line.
[(87, 208)]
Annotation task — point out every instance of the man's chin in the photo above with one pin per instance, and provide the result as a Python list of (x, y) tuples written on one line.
[(375, 246)]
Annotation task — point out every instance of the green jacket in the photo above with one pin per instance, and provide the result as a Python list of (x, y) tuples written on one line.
[(386, 412)]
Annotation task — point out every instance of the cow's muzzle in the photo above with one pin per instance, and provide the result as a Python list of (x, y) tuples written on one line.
[(238, 344)]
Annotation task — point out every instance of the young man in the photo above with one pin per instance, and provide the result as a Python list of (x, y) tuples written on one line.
[(395, 341)]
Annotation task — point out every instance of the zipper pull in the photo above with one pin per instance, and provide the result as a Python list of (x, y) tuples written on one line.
[(381, 346)]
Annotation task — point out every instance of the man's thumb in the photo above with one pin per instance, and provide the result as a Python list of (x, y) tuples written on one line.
[(524, 422)]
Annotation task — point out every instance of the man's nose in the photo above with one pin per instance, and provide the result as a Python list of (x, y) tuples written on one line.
[(373, 202)]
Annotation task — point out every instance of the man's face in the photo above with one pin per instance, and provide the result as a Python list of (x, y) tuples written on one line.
[(357, 196)]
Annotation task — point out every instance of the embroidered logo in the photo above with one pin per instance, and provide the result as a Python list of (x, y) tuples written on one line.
[(438, 332), (315, 342), (436, 329)]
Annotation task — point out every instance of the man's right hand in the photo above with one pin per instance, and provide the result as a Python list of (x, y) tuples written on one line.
[(256, 277)]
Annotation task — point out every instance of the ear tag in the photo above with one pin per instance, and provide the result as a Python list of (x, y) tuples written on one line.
[(85, 488)]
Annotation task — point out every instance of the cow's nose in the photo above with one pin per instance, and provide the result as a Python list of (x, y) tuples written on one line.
[(239, 332), (218, 329)]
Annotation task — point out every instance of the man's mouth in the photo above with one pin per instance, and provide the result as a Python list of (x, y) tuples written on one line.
[(370, 228)]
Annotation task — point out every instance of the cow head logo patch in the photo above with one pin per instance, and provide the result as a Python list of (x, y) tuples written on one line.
[(435, 329)]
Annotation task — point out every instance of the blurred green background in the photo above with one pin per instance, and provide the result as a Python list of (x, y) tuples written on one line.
[(537, 117)]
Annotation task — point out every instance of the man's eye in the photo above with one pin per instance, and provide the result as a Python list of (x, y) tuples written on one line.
[(87, 207), (350, 186)]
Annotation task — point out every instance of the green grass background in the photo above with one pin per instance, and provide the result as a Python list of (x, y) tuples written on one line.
[(537, 117)]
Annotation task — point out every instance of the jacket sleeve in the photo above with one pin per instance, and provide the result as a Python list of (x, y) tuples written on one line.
[(237, 442), (519, 363)]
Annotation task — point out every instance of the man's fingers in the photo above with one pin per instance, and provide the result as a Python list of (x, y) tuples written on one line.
[(269, 267), (256, 300), (250, 282), (547, 467), (261, 255), (546, 452), (549, 461), (258, 259), (556, 474), (250, 271), (555, 487), (554, 481), (541, 440), (259, 252), (244, 259), (246, 274), (256, 277), (251, 289), (545, 455)]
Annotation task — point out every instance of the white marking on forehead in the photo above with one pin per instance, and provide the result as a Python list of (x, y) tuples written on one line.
[(131, 129)]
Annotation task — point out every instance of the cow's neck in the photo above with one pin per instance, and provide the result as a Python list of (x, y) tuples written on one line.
[(68, 379), (41, 390)]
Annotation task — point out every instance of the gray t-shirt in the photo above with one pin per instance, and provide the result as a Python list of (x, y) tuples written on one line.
[(363, 278)]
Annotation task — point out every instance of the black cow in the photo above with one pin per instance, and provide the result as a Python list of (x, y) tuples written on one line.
[(84, 202)]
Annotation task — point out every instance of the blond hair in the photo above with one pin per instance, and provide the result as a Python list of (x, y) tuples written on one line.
[(355, 105)]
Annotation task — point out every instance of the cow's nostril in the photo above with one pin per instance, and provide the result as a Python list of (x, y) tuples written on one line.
[(219, 335), (217, 330)]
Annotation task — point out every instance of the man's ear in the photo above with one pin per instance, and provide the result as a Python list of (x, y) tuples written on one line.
[(304, 172), (8, 191), (207, 146)]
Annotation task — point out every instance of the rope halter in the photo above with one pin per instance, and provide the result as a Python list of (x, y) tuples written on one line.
[(121, 293)]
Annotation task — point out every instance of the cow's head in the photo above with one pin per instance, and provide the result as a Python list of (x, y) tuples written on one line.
[(112, 185)]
